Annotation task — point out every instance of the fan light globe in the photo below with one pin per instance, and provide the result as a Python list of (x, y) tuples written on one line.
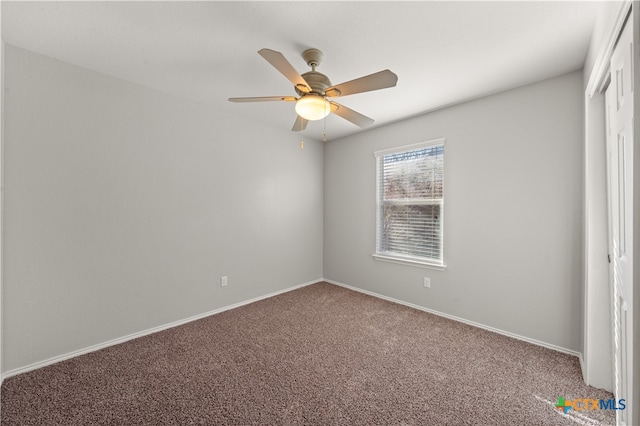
[(312, 107)]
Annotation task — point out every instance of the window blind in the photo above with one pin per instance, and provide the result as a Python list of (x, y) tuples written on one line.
[(410, 190)]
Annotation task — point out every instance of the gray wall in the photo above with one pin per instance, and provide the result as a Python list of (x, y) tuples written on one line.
[(513, 212), (124, 206)]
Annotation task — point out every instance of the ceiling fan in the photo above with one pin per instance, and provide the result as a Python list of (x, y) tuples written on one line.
[(314, 89)]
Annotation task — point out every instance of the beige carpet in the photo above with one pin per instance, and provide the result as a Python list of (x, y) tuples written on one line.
[(320, 355)]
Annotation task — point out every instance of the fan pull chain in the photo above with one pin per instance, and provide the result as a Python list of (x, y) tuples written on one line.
[(324, 135)]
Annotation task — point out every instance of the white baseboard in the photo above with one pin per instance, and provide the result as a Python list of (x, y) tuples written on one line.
[(465, 321), (132, 336)]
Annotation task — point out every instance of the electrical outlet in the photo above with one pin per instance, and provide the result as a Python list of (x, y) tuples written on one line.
[(427, 282), (223, 281)]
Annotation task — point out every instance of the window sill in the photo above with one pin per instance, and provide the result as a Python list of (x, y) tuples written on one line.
[(411, 262)]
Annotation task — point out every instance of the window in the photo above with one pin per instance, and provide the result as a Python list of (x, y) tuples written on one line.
[(410, 189)]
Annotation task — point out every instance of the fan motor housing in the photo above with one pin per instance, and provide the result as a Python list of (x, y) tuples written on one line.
[(318, 82)]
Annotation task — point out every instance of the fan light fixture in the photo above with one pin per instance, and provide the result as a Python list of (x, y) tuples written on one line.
[(313, 107)]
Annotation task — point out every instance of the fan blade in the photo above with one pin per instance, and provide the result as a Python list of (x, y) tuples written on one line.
[(300, 124), (351, 115), (280, 63), (265, 99), (376, 81)]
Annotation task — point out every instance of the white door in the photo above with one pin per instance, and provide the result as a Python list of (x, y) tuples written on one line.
[(619, 97)]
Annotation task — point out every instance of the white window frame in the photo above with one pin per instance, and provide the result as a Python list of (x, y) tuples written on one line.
[(398, 258)]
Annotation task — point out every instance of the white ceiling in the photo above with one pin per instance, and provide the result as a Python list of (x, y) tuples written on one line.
[(442, 52)]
